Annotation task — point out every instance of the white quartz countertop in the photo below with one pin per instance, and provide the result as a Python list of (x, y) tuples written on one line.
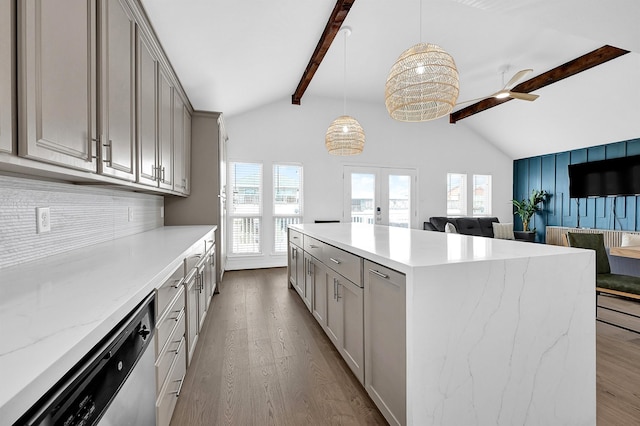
[(404, 249), (55, 310)]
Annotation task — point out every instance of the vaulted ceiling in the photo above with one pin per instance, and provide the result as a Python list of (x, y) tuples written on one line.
[(234, 56)]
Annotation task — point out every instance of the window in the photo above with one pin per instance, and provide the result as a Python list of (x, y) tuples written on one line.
[(245, 180), (456, 194), (481, 195), (287, 202)]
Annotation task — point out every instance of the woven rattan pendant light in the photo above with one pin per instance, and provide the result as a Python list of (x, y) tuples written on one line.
[(423, 83), (345, 135)]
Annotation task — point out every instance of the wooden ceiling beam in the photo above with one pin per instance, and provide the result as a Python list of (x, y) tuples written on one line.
[(583, 63), (339, 14)]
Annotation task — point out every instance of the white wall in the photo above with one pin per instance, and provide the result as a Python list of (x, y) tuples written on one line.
[(281, 132)]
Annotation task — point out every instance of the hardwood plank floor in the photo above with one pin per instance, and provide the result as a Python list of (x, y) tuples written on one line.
[(262, 359)]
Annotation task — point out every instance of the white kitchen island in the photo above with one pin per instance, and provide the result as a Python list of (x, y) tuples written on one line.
[(489, 331)]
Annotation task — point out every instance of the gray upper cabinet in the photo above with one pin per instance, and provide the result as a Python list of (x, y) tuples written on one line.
[(57, 63), (146, 113), (187, 152), (117, 90), (7, 75), (178, 144), (165, 126)]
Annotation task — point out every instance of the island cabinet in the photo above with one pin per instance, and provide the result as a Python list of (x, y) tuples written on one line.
[(331, 287), (449, 329), (319, 287), (7, 76), (296, 263), (345, 320), (117, 90), (57, 102), (385, 340)]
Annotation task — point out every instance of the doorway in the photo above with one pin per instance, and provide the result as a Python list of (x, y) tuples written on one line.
[(380, 196)]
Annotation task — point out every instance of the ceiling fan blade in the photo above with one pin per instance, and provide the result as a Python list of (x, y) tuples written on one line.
[(517, 77), (524, 96)]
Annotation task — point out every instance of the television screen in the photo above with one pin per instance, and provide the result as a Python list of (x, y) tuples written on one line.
[(618, 176)]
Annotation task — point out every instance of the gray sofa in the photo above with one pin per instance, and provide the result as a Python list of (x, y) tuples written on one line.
[(477, 226)]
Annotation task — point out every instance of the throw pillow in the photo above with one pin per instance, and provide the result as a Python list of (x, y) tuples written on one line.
[(630, 240), (450, 228), (503, 231)]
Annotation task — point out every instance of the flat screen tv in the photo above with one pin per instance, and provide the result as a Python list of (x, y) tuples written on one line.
[(617, 176)]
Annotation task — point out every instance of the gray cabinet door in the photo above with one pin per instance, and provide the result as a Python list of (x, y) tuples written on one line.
[(334, 309), (58, 82), (117, 91), (165, 128), (7, 75), (385, 340), (178, 143), (319, 290), (352, 348), (187, 158), (147, 141), (193, 325)]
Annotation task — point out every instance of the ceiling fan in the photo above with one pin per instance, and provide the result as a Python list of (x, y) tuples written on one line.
[(506, 91)]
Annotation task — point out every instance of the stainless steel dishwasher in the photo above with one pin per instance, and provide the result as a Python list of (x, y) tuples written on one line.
[(112, 385)]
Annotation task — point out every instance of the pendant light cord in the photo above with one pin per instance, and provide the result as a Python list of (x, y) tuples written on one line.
[(420, 21), (344, 79)]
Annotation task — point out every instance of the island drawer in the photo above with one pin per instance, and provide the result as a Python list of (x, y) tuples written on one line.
[(170, 320), (296, 238), (346, 264), (314, 247), (169, 353), (170, 392), (168, 290)]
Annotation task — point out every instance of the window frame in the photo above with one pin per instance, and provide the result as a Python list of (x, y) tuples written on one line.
[(274, 216), (463, 193), (232, 215), (489, 197)]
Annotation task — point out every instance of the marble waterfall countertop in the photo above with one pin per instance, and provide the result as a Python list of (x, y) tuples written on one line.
[(404, 249), (55, 310), (497, 332)]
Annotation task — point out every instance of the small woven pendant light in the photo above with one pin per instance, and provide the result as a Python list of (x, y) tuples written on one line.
[(423, 83), (345, 135)]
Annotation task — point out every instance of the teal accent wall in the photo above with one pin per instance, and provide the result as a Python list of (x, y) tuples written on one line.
[(551, 173)]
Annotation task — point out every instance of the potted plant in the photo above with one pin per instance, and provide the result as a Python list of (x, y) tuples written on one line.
[(526, 209)]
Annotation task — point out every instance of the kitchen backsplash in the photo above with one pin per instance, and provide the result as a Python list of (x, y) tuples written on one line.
[(79, 215)]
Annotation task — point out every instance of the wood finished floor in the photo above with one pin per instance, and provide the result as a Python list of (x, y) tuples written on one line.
[(262, 359)]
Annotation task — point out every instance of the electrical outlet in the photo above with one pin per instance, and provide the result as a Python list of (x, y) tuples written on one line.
[(43, 220), (130, 214), (161, 212)]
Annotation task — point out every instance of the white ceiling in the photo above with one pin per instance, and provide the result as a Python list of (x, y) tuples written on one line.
[(233, 56)]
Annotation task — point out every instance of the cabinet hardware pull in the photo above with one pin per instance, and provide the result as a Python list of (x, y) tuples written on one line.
[(177, 350), (337, 262), (177, 392), (380, 274), (312, 245), (110, 156), (97, 150), (334, 289), (338, 297), (163, 174), (176, 283), (177, 317)]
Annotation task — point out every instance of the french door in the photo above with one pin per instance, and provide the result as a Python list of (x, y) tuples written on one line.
[(380, 196)]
